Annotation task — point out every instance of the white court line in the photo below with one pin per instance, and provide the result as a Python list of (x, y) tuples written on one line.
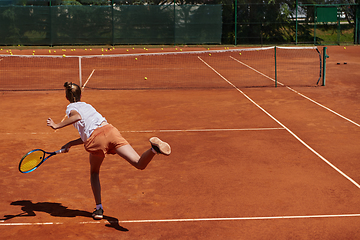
[(332, 111), (169, 130), (207, 130), (293, 134), (2, 223), (255, 71), (240, 218), (347, 119)]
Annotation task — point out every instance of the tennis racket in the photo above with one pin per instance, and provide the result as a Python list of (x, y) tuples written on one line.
[(33, 159)]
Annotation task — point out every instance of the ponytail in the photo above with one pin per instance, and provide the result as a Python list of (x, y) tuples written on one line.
[(73, 92)]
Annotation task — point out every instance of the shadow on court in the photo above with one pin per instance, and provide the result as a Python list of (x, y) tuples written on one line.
[(57, 210)]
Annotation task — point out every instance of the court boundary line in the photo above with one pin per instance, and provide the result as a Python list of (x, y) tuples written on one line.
[(287, 129), (319, 104), (207, 130), (302, 95), (289, 217), (241, 218)]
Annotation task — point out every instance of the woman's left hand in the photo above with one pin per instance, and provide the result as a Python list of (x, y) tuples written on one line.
[(51, 123)]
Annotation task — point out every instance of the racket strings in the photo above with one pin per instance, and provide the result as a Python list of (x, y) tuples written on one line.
[(31, 161)]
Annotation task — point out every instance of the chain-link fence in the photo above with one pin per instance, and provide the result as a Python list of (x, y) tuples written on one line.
[(46, 22)]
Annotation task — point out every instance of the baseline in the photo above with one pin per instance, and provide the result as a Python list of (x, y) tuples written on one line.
[(2, 223)]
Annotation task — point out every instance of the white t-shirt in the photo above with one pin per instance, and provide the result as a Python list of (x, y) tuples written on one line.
[(90, 118)]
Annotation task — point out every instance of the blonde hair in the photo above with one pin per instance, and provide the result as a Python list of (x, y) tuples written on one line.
[(73, 92)]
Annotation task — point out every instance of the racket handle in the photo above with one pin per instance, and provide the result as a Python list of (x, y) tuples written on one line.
[(60, 151)]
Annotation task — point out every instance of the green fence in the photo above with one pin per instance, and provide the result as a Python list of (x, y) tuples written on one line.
[(75, 22), (126, 24), (329, 24)]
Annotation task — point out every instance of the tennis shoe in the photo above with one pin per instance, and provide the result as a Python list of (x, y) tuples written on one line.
[(159, 146), (98, 214)]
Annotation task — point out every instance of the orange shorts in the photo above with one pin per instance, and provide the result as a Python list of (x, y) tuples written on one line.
[(104, 140)]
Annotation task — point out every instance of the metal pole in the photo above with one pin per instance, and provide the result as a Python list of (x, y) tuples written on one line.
[(174, 23), (275, 67), (296, 23), (338, 29), (80, 76), (315, 25), (51, 29), (357, 26), (235, 22), (325, 56), (112, 22)]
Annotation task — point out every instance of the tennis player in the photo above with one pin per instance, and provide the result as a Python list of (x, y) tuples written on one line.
[(101, 138)]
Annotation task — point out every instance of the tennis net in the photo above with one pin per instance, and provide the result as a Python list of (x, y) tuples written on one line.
[(246, 67)]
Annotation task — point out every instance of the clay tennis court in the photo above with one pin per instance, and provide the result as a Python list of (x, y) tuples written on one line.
[(246, 163)]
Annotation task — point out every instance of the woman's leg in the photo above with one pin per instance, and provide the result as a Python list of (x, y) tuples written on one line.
[(95, 163), (130, 155)]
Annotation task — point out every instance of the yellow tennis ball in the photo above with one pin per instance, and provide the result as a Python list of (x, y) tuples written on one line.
[(135, 58), (344, 47), (145, 78), (64, 55)]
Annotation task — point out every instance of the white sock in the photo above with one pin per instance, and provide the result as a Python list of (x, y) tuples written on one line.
[(98, 206)]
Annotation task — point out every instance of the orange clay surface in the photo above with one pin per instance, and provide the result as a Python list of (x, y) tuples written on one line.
[(285, 168)]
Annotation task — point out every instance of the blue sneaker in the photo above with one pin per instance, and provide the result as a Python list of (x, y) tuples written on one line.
[(98, 214)]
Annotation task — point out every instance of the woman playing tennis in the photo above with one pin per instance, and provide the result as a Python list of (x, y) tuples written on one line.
[(101, 138)]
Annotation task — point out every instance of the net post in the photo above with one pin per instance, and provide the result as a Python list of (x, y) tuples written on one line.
[(275, 67), (325, 56), (80, 77)]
